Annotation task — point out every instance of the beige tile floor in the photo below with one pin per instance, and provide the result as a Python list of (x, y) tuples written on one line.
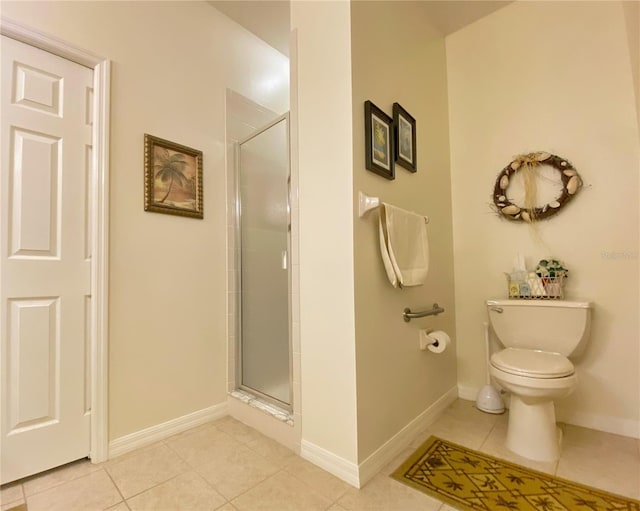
[(227, 466)]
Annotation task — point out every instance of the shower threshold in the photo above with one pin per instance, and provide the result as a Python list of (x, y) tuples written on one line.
[(268, 408)]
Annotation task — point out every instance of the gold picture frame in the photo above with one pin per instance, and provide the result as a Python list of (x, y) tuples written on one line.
[(173, 178)]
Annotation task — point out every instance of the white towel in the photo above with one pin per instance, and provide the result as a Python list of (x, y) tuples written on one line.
[(404, 246), (384, 250)]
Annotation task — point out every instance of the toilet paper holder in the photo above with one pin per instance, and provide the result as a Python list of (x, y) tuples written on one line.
[(435, 341), (407, 315)]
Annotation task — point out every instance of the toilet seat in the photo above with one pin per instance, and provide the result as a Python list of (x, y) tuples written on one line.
[(532, 363)]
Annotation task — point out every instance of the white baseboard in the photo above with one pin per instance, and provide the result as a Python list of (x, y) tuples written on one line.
[(401, 440), (288, 434), (624, 427), (159, 432), (332, 463), (359, 475)]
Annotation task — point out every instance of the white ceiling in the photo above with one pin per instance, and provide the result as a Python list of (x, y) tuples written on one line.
[(270, 21)]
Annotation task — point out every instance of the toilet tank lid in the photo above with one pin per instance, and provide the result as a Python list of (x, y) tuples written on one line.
[(570, 304)]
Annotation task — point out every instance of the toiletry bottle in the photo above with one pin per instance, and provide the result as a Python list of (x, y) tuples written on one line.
[(514, 286)]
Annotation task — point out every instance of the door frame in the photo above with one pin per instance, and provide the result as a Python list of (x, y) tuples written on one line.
[(99, 198)]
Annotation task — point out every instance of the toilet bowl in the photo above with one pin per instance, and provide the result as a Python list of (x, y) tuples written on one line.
[(532, 430), (534, 367)]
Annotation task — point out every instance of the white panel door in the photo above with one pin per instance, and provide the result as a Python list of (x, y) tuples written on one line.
[(46, 125)]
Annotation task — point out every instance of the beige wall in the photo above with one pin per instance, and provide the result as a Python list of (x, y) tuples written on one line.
[(553, 76), (632, 19), (321, 110), (398, 57), (172, 63)]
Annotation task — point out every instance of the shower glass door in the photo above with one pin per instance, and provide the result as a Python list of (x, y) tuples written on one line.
[(263, 198)]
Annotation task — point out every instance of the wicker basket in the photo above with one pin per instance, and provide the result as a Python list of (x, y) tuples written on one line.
[(532, 287)]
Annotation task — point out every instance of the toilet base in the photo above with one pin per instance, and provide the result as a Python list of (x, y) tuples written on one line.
[(532, 431)]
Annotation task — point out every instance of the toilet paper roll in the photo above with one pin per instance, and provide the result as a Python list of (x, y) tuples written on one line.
[(439, 341)]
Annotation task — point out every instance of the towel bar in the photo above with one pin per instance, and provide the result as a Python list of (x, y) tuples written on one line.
[(367, 203), (407, 315)]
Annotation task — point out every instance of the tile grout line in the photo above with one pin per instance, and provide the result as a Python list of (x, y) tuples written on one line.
[(493, 427), (254, 486), (116, 487), (282, 470), (191, 469), (58, 485), (157, 484), (195, 468), (226, 500), (333, 501), (15, 502), (243, 492), (176, 452)]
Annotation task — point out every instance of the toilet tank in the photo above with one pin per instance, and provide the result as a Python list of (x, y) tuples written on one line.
[(559, 326)]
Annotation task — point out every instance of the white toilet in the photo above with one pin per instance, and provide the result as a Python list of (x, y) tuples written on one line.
[(538, 336)]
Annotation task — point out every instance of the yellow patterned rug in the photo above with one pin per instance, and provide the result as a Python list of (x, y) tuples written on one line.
[(472, 481)]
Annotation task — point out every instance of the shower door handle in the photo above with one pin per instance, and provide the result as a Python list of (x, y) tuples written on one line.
[(285, 261)]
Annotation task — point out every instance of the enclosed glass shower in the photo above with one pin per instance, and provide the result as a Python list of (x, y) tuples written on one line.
[(263, 213)]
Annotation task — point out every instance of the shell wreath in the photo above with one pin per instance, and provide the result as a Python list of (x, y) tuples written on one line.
[(571, 183)]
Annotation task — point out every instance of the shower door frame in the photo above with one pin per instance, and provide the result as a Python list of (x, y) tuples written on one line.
[(238, 260)]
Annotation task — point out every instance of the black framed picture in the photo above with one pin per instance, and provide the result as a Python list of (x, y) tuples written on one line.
[(379, 141), (404, 127)]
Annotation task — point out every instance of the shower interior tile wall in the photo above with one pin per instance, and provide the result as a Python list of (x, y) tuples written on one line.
[(243, 117)]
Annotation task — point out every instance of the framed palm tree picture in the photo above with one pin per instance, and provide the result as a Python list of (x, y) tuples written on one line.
[(173, 178), (378, 131)]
